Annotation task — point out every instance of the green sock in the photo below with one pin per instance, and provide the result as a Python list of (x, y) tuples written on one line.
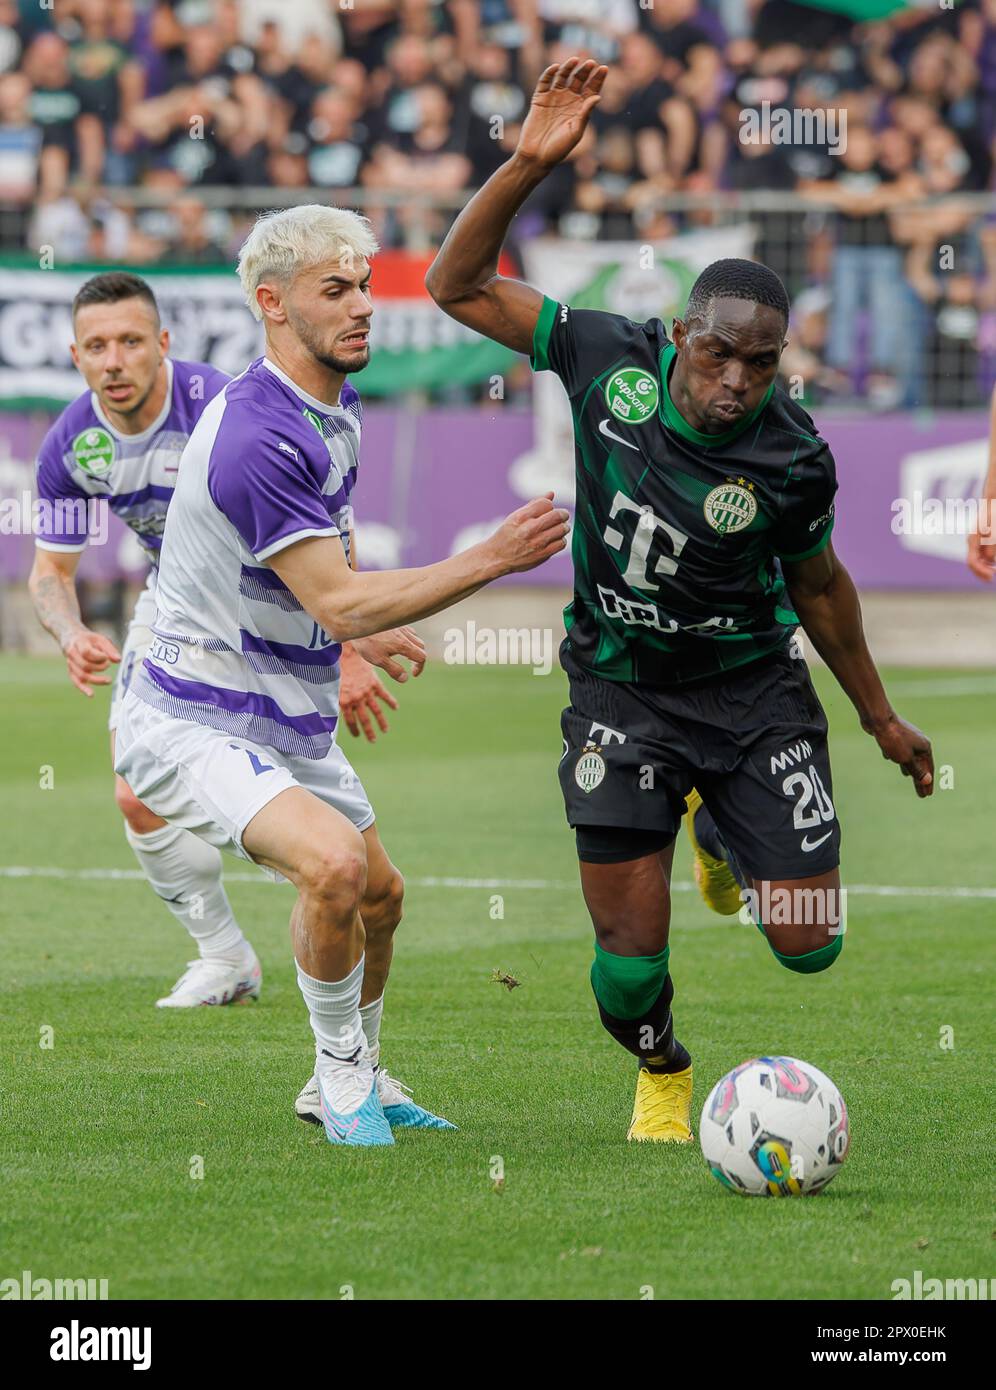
[(812, 961), (627, 986)]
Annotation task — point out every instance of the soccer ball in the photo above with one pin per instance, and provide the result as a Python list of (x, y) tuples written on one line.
[(774, 1127)]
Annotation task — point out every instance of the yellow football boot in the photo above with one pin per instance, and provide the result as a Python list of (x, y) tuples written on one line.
[(719, 889), (663, 1106)]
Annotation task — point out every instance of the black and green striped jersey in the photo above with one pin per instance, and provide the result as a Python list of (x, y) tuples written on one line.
[(677, 533)]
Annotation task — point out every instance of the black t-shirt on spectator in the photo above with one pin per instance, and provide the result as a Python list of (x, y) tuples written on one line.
[(679, 40), (337, 163), (96, 68), (477, 102), (770, 170), (298, 90), (642, 108), (860, 229), (239, 59), (54, 111)]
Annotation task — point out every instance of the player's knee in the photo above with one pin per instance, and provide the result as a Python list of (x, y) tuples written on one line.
[(811, 952), (337, 874), (137, 815), (382, 908)]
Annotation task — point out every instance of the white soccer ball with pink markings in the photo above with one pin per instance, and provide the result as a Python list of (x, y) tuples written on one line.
[(774, 1127)]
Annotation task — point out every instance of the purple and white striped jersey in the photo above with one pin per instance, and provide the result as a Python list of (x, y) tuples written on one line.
[(266, 466), (84, 457)]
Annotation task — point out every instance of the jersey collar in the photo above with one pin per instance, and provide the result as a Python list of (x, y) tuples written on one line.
[(673, 418), (324, 407), (150, 430)]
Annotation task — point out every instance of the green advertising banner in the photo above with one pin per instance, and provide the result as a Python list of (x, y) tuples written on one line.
[(416, 346)]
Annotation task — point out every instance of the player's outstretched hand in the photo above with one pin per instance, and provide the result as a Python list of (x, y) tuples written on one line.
[(531, 535), (904, 744), (88, 653), (562, 102), (361, 691)]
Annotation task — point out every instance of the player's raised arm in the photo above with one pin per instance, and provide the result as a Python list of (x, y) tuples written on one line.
[(824, 596), (464, 279), (349, 605)]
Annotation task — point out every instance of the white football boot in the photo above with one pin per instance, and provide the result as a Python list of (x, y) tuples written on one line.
[(214, 982), (401, 1111)]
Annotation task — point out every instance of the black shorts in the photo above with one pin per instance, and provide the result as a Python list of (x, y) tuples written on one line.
[(753, 741)]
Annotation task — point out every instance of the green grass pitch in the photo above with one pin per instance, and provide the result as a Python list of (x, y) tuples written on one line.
[(101, 1130)]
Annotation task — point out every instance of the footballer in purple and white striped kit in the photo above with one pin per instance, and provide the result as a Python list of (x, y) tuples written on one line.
[(229, 729), (119, 445)]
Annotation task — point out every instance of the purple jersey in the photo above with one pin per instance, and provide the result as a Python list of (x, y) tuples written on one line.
[(83, 457), (267, 465)]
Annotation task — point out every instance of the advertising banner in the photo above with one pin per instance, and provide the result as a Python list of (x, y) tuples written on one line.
[(415, 346), (433, 483)]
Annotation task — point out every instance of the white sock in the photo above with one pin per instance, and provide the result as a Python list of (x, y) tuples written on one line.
[(334, 1007), (186, 873), (371, 1015)]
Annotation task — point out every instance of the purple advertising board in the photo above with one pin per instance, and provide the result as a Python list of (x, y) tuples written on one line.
[(436, 481)]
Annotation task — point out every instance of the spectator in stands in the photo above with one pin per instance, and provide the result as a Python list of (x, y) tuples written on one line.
[(867, 264), (952, 294), (338, 144), (20, 141), (803, 363), (11, 42), (195, 238), (638, 97), (109, 82), (594, 27), (428, 158), (490, 95), (211, 127), (72, 140)]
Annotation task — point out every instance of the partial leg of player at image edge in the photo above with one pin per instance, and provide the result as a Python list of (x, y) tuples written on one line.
[(183, 871)]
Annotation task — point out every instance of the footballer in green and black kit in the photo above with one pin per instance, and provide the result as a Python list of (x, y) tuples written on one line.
[(697, 478), (680, 643)]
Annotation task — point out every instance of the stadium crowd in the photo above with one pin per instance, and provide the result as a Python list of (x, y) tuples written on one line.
[(103, 98)]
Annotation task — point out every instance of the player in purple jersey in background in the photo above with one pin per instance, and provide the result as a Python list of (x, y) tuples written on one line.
[(119, 444), (229, 727)]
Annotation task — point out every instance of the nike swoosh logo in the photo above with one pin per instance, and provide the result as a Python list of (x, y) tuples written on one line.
[(337, 1129), (806, 846), (603, 428)]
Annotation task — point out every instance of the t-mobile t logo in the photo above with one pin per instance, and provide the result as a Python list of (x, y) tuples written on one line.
[(638, 571)]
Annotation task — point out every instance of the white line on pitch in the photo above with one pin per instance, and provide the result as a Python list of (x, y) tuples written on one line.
[(875, 890)]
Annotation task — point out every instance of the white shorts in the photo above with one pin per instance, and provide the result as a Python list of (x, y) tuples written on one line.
[(136, 644), (213, 784)]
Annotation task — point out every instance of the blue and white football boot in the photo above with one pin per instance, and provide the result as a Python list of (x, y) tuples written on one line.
[(399, 1109), (349, 1106)]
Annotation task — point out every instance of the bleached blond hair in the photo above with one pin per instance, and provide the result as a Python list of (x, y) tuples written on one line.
[(292, 239)]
